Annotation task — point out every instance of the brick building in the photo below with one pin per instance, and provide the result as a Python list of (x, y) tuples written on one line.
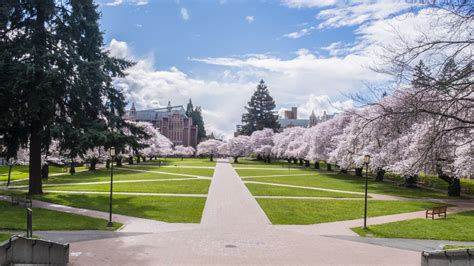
[(172, 122)]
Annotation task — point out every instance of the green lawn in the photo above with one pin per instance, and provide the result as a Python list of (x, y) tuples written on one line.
[(264, 172), (447, 247), (192, 186), (13, 218), (4, 237), (21, 171), (459, 227), (167, 209), (268, 190), (252, 163), (303, 211), (104, 175), (186, 162), (350, 183), (189, 171)]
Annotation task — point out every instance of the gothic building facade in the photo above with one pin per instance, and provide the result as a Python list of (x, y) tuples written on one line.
[(290, 119), (171, 121)]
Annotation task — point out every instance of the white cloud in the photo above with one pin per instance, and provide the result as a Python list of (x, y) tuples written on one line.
[(300, 33), (307, 3), (119, 49), (131, 2), (184, 13), (138, 25), (359, 12), (249, 19)]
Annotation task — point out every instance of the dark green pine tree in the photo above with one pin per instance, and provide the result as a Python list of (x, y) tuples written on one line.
[(260, 112), (196, 114), (62, 81), (421, 76)]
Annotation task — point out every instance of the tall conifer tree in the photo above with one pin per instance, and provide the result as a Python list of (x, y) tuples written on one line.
[(260, 112)]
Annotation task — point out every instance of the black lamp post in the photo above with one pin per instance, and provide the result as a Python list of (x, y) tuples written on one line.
[(366, 162), (112, 155)]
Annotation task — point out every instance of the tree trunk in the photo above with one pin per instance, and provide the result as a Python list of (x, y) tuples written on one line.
[(9, 174), (343, 171), (236, 159), (35, 182), (306, 163), (107, 164), (295, 161), (130, 160), (454, 188), (93, 164), (260, 158), (138, 159), (410, 181), (301, 162), (288, 160), (118, 162), (328, 167), (380, 174), (212, 158), (269, 159), (45, 171), (316, 165), (358, 171), (72, 169)]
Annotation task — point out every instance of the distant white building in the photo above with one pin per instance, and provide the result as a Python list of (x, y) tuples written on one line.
[(290, 119)]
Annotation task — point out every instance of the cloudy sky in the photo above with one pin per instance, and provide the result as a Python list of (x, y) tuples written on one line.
[(311, 53)]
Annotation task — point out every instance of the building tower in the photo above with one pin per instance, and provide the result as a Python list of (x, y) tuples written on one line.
[(133, 110), (312, 120)]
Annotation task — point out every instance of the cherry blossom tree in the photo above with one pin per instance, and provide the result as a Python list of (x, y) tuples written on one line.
[(238, 147), (262, 143), (182, 151), (209, 147)]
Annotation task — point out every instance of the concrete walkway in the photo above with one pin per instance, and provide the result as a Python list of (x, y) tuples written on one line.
[(234, 230)]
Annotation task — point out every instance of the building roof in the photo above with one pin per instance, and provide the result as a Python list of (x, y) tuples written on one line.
[(285, 122), (159, 113)]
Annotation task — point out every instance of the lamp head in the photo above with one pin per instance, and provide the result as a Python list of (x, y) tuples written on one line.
[(112, 151)]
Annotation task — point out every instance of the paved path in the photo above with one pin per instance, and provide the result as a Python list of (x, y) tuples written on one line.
[(234, 230)]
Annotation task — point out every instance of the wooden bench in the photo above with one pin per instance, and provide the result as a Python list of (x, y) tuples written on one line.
[(440, 211), (24, 201)]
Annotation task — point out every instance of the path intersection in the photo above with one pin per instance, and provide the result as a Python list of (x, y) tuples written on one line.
[(235, 230)]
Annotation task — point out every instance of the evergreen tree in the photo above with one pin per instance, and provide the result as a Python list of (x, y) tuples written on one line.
[(196, 114), (421, 76), (260, 112), (57, 78)]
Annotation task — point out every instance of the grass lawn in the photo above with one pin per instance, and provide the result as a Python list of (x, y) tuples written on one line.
[(4, 237), (192, 186), (447, 247), (13, 218), (167, 209), (252, 163), (103, 175), (189, 171), (350, 183), (310, 211), (276, 171), (268, 190), (21, 171), (459, 227), (186, 162)]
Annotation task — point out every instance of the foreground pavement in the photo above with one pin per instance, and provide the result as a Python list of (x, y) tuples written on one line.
[(234, 230)]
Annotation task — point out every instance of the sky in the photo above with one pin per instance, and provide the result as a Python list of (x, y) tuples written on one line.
[(312, 54)]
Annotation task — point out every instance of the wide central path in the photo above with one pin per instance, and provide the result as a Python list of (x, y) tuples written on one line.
[(235, 230)]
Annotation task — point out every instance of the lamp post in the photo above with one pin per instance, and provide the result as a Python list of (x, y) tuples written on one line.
[(366, 162), (112, 155)]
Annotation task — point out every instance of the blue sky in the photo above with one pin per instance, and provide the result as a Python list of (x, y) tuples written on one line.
[(311, 53)]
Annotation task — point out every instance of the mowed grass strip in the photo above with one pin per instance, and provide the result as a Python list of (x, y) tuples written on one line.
[(350, 183), (4, 237), (175, 170), (14, 218), (22, 171), (458, 227), (192, 186), (104, 175), (186, 162), (167, 209), (269, 190), (248, 163), (312, 211), (264, 172)]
